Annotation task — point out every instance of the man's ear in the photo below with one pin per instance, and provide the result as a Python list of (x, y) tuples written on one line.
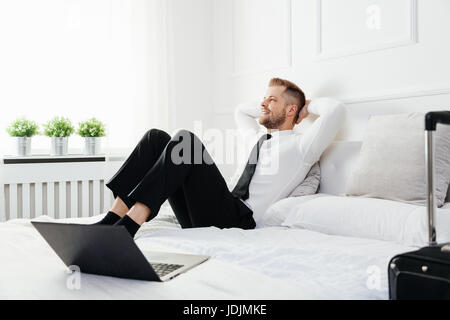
[(293, 108)]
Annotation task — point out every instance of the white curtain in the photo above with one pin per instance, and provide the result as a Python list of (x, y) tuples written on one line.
[(107, 59)]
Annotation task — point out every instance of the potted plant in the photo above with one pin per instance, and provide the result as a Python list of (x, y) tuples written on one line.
[(23, 130), (91, 130), (59, 129)]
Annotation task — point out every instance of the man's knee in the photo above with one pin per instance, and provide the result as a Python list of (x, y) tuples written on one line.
[(185, 140), (156, 134), (183, 133)]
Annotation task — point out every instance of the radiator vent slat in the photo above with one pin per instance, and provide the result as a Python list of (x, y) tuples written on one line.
[(68, 199), (32, 200), (62, 199), (13, 214), (74, 198), (25, 204), (7, 192), (37, 199), (44, 198), (102, 196)]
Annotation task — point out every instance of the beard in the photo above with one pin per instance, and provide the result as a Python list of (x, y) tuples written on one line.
[(271, 121)]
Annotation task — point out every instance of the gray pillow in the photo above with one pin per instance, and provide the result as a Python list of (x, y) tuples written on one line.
[(310, 184), (391, 163)]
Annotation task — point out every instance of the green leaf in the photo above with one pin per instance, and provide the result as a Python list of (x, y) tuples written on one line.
[(91, 128), (58, 127), (22, 127)]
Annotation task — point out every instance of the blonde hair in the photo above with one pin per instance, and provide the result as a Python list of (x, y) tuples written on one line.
[(292, 93)]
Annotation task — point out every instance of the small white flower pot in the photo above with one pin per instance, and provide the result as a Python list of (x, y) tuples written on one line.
[(92, 145), (23, 146), (59, 146)]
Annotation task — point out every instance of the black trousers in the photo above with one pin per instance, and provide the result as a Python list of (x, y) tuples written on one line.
[(180, 170)]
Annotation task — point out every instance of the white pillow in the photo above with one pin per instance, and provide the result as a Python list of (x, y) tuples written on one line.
[(277, 213), (368, 218), (391, 164)]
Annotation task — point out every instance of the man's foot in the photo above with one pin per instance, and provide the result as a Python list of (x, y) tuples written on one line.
[(110, 218), (131, 226)]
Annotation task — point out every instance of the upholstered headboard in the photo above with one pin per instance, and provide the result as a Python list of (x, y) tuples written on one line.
[(336, 165)]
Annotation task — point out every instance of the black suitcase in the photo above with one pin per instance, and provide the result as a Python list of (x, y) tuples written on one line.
[(424, 274)]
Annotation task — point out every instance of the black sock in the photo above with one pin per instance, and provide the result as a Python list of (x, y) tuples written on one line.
[(110, 218), (132, 227)]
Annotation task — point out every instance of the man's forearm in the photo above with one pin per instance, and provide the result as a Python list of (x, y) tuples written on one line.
[(246, 116), (324, 106), (324, 129)]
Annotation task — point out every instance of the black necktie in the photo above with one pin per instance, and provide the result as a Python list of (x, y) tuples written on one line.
[(241, 188)]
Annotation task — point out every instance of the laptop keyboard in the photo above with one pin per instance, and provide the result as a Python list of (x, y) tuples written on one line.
[(162, 269)]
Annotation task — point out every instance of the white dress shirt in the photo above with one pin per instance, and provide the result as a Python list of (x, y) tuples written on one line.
[(285, 159)]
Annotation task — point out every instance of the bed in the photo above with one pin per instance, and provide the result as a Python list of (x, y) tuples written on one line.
[(274, 261), (265, 263)]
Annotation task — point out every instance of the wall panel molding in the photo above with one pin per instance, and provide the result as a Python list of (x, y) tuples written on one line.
[(286, 55), (400, 94), (411, 39), (391, 95)]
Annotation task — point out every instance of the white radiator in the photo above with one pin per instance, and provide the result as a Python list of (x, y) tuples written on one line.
[(59, 190)]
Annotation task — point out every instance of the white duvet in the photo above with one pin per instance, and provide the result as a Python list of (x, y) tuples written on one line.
[(265, 263)]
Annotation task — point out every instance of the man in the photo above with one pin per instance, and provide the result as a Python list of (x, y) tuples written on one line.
[(295, 153), (196, 190)]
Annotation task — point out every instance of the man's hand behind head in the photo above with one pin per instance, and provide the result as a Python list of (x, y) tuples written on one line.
[(304, 112)]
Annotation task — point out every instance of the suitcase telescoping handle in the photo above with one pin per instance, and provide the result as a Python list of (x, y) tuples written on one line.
[(431, 119), (434, 117)]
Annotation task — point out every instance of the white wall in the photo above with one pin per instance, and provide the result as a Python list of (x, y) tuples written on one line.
[(191, 46), (389, 58), (79, 59)]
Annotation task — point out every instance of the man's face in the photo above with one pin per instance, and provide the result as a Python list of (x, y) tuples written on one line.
[(273, 108)]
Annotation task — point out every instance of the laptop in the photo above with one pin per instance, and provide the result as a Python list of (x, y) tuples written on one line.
[(111, 251)]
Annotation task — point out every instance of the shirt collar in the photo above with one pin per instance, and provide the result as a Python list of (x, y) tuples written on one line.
[(281, 133)]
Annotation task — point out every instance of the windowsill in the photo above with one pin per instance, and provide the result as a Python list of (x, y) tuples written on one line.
[(47, 158)]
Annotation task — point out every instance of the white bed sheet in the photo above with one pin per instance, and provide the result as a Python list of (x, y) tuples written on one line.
[(266, 263)]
